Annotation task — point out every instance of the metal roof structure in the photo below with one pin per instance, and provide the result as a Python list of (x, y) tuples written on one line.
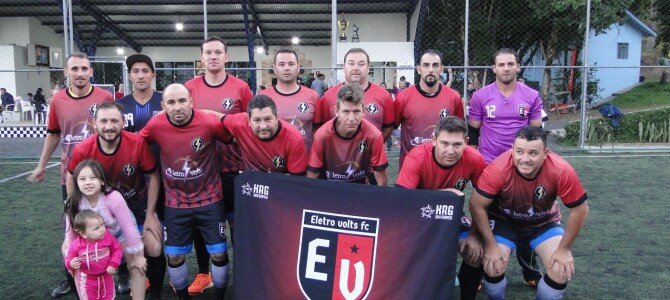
[(147, 23)]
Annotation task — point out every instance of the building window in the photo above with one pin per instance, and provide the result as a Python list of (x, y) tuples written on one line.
[(175, 73), (622, 51)]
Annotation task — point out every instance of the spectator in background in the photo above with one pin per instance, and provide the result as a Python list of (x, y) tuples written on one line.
[(7, 98), (39, 101), (319, 85), (120, 93), (447, 77), (403, 83), (30, 97)]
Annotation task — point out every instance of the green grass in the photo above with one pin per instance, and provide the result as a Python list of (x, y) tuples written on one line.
[(620, 254), (648, 94)]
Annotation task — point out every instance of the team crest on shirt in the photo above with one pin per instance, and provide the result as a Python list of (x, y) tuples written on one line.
[(540, 192), (336, 258), (362, 146), (444, 113), (92, 109), (198, 144), (303, 107), (460, 184), (523, 110), (278, 162), (372, 108), (128, 169), (227, 103)]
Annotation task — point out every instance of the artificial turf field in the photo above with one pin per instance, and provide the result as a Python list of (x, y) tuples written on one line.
[(621, 253)]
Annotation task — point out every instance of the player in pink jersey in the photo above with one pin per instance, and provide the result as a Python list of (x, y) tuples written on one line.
[(192, 186), (419, 107), (70, 122), (345, 148), (296, 104), (218, 91), (517, 194), (379, 106), (268, 143)]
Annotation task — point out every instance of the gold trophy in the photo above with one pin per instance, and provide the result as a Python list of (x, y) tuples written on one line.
[(343, 24)]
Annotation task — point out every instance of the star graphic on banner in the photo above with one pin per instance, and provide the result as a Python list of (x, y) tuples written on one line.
[(354, 249)]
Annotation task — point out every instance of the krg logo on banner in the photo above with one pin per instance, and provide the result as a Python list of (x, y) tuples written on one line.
[(256, 191), (441, 212)]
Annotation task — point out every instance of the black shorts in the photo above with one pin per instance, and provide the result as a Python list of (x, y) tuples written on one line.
[(228, 189), (139, 209), (510, 235), (181, 222)]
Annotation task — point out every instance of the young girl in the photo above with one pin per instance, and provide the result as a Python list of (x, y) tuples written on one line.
[(96, 255), (92, 191)]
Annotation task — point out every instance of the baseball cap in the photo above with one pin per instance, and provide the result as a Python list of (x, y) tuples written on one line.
[(135, 58)]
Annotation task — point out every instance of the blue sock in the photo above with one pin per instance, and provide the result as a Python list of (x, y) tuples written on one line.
[(179, 276), (220, 275), (549, 289), (495, 287)]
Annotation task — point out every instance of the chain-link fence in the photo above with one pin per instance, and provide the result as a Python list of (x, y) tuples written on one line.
[(623, 54)]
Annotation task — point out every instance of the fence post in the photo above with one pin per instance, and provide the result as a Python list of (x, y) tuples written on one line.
[(585, 83)]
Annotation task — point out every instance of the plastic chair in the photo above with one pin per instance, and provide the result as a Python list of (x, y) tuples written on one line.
[(10, 111), (27, 110)]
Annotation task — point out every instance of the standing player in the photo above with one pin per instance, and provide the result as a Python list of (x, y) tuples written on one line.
[(296, 104), (70, 122), (347, 147), (379, 106), (517, 195), (268, 144), (126, 159), (218, 91), (498, 111), (193, 190), (447, 164), (419, 107)]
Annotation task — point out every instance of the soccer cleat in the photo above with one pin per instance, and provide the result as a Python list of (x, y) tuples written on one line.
[(61, 290), (201, 282), (532, 282), (123, 286)]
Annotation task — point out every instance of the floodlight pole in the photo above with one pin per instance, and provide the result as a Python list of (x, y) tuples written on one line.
[(333, 43), (585, 82), (204, 17), (465, 56)]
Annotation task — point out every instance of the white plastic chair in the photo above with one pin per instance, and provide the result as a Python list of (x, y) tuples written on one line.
[(9, 112), (27, 110)]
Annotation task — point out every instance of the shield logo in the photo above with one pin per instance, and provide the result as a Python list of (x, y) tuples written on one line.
[(336, 259), (524, 110)]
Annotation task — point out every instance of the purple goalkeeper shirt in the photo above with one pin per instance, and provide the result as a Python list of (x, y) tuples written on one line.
[(502, 116)]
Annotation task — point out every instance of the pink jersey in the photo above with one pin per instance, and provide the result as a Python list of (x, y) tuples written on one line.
[(72, 118), (337, 158), (95, 257), (530, 202), (378, 105), (125, 167), (502, 116), (229, 97), (283, 153), (188, 157), (300, 109), (418, 112)]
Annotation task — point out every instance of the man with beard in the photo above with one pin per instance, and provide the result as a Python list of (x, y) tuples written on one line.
[(221, 92), (419, 107), (126, 159), (296, 104), (70, 122), (347, 147), (268, 143), (498, 111)]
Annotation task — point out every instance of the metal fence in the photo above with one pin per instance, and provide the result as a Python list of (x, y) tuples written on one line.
[(578, 54)]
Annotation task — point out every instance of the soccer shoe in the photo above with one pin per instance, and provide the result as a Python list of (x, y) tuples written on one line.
[(61, 290), (532, 282), (201, 282), (123, 286)]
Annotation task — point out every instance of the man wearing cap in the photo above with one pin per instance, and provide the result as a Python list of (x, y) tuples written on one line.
[(138, 107)]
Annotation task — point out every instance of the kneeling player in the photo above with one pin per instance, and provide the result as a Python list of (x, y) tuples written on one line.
[(448, 164), (524, 182)]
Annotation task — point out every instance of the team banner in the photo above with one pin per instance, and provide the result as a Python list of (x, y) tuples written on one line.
[(298, 238)]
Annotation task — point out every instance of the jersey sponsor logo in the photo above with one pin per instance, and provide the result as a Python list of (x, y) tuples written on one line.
[(417, 140), (278, 162), (336, 255), (227, 103), (303, 107), (127, 191), (79, 132), (352, 173), (444, 113), (198, 144), (460, 184), (362, 146), (184, 169), (372, 108), (540, 192), (257, 190), (441, 212), (128, 169), (92, 109), (523, 110)]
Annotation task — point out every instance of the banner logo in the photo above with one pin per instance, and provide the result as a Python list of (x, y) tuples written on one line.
[(336, 257)]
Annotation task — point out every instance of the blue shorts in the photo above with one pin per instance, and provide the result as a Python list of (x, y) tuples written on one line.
[(510, 235), (181, 222)]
